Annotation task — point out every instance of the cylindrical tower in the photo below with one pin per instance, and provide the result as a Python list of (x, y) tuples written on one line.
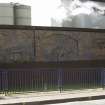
[(22, 14), (6, 14)]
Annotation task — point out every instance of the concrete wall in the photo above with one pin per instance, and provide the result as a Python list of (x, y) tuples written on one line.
[(30, 44)]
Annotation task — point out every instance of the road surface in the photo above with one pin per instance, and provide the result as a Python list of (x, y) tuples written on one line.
[(93, 102)]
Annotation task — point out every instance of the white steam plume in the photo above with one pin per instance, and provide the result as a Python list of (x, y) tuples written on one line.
[(71, 13)]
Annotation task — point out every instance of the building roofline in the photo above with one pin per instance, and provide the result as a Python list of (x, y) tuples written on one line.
[(22, 27)]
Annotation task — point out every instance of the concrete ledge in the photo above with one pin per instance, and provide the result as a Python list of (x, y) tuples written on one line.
[(60, 100), (24, 27)]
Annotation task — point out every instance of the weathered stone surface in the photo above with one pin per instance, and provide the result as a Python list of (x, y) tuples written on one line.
[(16, 45), (28, 45), (56, 46), (69, 45)]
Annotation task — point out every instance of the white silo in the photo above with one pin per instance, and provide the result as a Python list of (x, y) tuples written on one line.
[(6, 14), (22, 14)]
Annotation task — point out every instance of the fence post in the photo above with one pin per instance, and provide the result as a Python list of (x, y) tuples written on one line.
[(60, 80), (5, 82), (103, 78)]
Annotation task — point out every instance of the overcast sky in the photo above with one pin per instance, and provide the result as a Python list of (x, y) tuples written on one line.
[(42, 10)]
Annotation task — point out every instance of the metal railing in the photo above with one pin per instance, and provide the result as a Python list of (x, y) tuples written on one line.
[(50, 80)]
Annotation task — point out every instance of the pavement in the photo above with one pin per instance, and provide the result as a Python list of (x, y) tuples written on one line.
[(44, 98), (92, 102)]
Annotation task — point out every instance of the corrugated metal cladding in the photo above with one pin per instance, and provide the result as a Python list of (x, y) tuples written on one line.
[(15, 14), (6, 14), (22, 15)]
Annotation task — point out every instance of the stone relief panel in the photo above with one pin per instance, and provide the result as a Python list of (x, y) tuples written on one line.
[(98, 45), (56, 46), (48, 45), (16, 46), (69, 45)]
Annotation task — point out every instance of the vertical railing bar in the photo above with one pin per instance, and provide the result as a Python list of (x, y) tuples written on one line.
[(78, 79), (50, 82), (16, 81), (88, 79), (36, 80), (83, 79), (20, 80), (94, 80), (39, 82), (71, 78), (52, 79)]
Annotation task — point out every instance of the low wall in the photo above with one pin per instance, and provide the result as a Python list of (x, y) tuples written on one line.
[(50, 44)]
